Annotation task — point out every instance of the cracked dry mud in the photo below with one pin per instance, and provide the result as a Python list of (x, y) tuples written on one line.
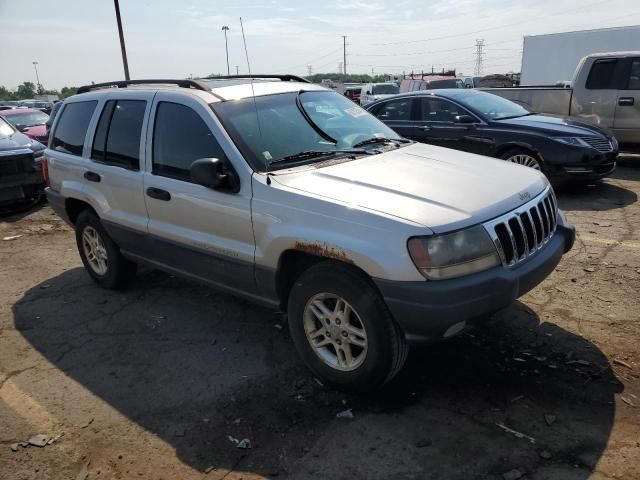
[(149, 382)]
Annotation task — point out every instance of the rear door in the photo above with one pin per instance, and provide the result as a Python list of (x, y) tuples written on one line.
[(398, 114), (626, 125), (116, 164), (196, 230)]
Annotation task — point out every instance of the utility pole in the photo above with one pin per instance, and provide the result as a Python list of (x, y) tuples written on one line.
[(237, 70), (344, 54), (122, 46), (35, 66), (225, 29), (479, 55)]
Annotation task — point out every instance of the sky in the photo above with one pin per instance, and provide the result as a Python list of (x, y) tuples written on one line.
[(76, 42)]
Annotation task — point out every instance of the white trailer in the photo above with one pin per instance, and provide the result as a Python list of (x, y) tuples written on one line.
[(549, 59)]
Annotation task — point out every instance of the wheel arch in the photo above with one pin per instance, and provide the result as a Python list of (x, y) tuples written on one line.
[(74, 207), (504, 148)]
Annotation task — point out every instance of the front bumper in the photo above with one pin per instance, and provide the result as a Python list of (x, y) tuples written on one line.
[(582, 164), (20, 187), (429, 311)]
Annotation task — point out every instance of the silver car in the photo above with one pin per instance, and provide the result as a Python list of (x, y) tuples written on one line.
[(288, 194)]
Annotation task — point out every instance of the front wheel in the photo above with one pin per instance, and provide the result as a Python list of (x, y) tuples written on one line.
[(523, 157), (343, 329)]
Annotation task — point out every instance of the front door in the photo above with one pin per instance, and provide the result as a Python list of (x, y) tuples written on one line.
[(626, 125), (196, 230)]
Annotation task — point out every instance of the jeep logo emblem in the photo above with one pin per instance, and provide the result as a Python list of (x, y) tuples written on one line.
[(524, 196)]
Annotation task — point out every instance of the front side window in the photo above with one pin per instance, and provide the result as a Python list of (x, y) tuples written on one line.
[(72, 127), (398, 109), (117, 139), (180, 137), (634, 75), (602, 75), (272, 127), (438, 110)]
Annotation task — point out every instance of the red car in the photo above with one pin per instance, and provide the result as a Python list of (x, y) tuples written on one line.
[(30, 121)]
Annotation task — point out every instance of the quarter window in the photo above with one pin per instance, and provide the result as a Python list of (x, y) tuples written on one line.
[(72, 127), (634, 75), (602, 75), (399, 109), (438, 110), (117, 139), (180, 137)]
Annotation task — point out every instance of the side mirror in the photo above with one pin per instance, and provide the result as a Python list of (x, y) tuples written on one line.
[(467, 119), (21, 128), (368, 92), (210, 173)]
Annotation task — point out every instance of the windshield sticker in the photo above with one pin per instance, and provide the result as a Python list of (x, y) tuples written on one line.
[(267, 155), (355, 112)]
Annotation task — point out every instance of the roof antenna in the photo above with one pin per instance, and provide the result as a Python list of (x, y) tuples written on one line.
[(253, 95)]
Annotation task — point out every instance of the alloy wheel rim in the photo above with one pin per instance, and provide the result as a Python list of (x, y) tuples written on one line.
[(525, 160), (94, 250), (335, 332)]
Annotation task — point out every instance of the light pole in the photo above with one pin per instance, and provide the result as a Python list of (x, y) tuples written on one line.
[(225, 29), (35, 66), (122, 46), (237, 70)]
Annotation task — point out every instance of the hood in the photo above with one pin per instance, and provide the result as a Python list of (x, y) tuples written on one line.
[(434, 187), (17, 140), (556, 126), (36, 131)]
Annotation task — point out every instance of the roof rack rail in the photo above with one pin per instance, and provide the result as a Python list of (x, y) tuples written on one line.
[(125, 83), (284, 78)]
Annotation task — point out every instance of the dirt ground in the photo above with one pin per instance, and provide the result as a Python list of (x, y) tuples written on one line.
[(151, 382)]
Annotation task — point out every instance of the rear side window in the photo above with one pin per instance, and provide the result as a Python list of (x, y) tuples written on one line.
[(72, 127), (399, 109), (602, 75), (180, 137), (117, 139)]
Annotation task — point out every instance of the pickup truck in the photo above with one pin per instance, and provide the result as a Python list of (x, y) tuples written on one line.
[(605, 90)]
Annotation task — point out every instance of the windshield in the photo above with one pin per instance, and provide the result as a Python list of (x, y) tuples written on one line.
[(492, 106), (5, 129), (274, 128), (27, 119), (385, 89)]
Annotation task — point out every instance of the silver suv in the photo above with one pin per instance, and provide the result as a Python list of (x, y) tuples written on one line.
[(290, 195)]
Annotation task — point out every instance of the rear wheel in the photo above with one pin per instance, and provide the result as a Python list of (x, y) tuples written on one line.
[(523, 157), (99, 253), (343, 330)]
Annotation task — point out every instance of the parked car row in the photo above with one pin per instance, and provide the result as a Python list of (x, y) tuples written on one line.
[(35, 104), (368, 241)]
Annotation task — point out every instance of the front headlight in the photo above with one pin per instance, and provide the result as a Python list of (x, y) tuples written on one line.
[(454, 254), (573, 141)]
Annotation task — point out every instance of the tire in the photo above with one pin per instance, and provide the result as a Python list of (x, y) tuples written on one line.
[(524, 157), (117, 271), (378, 350)]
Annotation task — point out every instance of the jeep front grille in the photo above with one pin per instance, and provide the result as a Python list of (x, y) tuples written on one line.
[(600, 144), (522, 232)]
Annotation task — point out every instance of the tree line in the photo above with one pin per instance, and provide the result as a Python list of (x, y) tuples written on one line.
[(29, 90)]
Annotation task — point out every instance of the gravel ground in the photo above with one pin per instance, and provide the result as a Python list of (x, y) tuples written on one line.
[(151, 382)]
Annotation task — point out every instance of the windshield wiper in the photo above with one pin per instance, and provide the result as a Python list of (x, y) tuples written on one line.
[(375, 140), (311, 154), (313, 124)]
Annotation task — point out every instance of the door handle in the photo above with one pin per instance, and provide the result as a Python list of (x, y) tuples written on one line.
[(425, 128), (626, 101), (92, 176), (158, 194)]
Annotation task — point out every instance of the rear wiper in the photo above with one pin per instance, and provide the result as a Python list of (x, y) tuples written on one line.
[(310, 154), (375, 140)]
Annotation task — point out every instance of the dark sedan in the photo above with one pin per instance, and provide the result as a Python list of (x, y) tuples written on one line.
[(486, 124)]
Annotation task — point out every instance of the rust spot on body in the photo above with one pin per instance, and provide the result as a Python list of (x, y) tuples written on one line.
[(323, 250)]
